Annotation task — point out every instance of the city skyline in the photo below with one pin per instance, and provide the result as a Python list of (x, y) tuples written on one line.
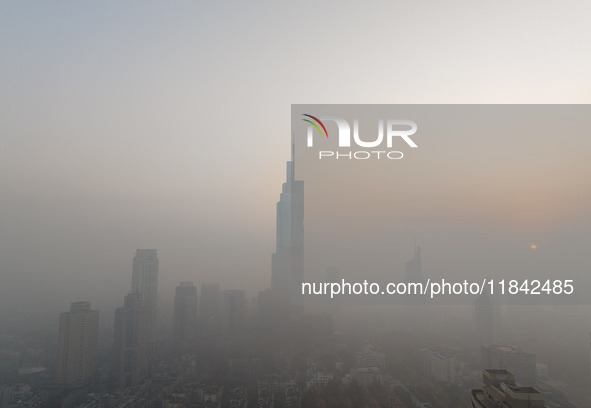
[(152, 214), (79, 124), (190, 328)]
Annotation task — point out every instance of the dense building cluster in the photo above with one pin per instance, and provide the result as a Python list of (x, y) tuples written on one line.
[(226, 351)]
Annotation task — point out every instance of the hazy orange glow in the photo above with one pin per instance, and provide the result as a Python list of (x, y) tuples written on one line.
[(534, 247)]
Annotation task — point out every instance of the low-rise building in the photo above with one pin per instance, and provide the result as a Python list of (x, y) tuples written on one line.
[(499, 390)]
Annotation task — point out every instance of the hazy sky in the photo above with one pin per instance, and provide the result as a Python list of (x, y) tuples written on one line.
[(485, 183), (166, 125)]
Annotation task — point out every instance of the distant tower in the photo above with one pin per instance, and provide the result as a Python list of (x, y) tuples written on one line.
[(209, 308), (413, 275), (184, 322), (77, 345), (266, 319), (413, 267), (130, 348), (233, 311), (335, 307), (144, 280), (287, 263), (487, 321)]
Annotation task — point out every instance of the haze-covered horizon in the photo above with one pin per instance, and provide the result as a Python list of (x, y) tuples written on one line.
[(148, 125)]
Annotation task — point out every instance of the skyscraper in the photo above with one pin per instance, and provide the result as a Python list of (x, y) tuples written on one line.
[(266, 310), (487, 317), (184, 321), (414, 275), (233, 311), (130, 348), (144, 281), (287, 263), (77, 345), (335, 308), (209, 308)]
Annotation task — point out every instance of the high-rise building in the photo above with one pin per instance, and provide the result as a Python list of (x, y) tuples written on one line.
[(487, 316), (184, 322), (335, 308), (77, 345), (144, 280), (519, 362), (233, 311), (209, 320), (287, 263), (267, 318), (130, 348), (443, 368), (414, 275)]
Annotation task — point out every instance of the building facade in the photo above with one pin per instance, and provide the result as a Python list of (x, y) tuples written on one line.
[(131, 342), (144, 281), (487, 319), (233, 310), (184, 321), (443, 368), (209, 316), (519, 362), (77, 345), (287, 263), (499, 390)]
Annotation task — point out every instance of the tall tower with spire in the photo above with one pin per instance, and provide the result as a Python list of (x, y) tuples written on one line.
[(287, 263), (414, 275)]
